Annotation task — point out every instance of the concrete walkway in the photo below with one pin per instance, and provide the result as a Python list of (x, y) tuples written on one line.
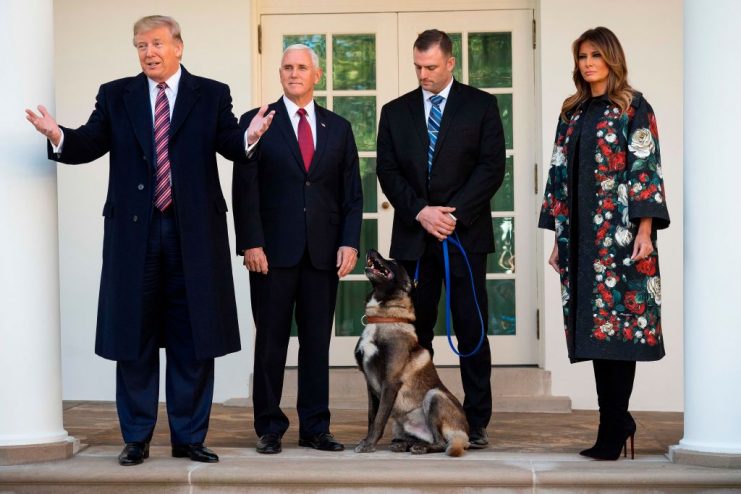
[(529, 453)]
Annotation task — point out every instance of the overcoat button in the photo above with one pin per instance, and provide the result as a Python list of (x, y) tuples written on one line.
[(135, 218), (308, 183), (140, 186)]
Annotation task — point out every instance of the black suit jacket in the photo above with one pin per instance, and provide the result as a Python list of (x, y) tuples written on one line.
[(467, 167), (202, 125), (282, 208)]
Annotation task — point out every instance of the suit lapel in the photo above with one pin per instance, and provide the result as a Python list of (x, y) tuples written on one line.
[(417, 112), (139, 108), (451, 108), (188, 94), (321, 136), (289, 136)]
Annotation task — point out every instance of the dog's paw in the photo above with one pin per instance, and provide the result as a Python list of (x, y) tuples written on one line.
[(365, 447), (399, 447), (418, 449)]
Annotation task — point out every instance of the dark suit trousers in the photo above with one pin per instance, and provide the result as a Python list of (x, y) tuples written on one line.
[(189, 382), (312, 292), (475, 370)]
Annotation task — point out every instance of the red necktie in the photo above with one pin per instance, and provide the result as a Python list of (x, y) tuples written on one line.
[(163, 189), (305, 139)]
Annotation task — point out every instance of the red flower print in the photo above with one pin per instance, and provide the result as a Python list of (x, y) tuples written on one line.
[(608, 204), (650, 339), (647, 266), (560, 208), (632, 305), (617, 162), (628, 333), (652, 126), (643, 177), (599, 335)]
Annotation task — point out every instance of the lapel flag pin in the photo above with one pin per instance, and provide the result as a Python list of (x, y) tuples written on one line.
[(323, 125)]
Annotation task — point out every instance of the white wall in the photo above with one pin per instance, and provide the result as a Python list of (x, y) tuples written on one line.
[(93, 46), (651, 35)]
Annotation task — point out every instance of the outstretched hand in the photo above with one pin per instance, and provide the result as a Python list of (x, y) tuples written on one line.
[(45, 124), (259, 125)]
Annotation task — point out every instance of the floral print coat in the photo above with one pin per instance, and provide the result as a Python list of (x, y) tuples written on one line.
[(605, 176)]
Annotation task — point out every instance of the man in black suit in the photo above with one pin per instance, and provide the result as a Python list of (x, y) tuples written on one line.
[(440, 160), (166, 277), (297, 214)]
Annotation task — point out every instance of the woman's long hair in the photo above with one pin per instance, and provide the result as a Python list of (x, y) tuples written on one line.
[(618, 90)]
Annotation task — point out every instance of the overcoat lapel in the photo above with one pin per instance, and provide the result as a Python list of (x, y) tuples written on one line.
[(188, 94), (139, 109)]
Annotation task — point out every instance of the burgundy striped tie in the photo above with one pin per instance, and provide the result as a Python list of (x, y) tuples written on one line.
[(163, 190)]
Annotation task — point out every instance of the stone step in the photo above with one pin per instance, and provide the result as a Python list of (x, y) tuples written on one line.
[(514, 389), (295, 470)]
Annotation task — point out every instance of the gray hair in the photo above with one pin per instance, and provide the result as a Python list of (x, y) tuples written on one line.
[(153, 22), (299, 46)]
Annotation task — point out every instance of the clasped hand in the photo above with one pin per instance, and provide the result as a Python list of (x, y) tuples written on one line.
[(437, 221)]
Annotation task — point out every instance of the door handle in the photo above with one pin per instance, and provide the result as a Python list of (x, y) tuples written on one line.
[(385, 205)]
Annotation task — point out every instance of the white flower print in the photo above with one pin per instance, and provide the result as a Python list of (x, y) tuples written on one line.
[(623, 236), (642, 143), (607, 242), (608, 184), (558, 158), (564, 295), (598, 267), (642, 322), (610, 282), (611, 137), (623, 194), (598, 219), (658, 198), (653, 285)]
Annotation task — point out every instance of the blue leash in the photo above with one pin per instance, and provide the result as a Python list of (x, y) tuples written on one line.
[(455, 241)]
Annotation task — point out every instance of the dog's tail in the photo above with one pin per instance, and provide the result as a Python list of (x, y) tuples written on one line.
[(457, 443)]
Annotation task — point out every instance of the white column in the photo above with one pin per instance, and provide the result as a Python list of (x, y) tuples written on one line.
[(712, 236), (30, 361)]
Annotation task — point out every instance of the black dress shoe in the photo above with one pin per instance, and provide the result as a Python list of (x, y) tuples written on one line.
[(478, 439), (133, 454), (324, 441), (269, 444), (196, 452)]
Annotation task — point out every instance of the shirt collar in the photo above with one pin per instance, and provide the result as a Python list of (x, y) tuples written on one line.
[(172, 82), (444, 93), (293, 108)]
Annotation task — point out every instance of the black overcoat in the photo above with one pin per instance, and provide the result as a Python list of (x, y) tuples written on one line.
[(202, 125)]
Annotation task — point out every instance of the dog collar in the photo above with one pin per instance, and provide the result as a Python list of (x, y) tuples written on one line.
[(381, 320)]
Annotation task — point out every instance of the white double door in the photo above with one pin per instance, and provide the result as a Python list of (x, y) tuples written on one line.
[(367, 61)]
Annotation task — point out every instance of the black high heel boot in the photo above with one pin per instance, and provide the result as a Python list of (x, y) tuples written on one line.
[(614, 380)]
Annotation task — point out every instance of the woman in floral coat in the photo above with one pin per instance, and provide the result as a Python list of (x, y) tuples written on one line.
[(605, 201)]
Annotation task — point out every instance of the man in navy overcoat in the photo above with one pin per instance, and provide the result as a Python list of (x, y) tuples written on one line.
[(166, 277)]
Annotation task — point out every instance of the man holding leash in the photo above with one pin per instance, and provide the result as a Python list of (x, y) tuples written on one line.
[(441, 157)]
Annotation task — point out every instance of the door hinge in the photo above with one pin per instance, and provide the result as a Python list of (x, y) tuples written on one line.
[(535, 178), (537, 324), (259, 39), (534, 35)]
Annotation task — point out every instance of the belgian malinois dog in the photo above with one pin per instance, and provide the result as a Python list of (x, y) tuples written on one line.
[(402, 381)]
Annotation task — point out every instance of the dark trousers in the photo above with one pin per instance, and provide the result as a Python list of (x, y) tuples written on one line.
[(476, 369), (614, 380), (312, 292), (189, 382)]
